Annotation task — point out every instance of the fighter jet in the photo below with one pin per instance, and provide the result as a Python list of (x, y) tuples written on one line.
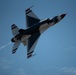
[(34, 28)]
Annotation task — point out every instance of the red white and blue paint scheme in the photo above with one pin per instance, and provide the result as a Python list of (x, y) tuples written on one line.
[(35, 27)]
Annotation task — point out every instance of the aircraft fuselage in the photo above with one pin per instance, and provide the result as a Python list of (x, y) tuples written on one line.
[(39, 27)]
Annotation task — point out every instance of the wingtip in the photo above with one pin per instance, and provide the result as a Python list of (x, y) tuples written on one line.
[(14, 50), (29, 7), (30, 56)]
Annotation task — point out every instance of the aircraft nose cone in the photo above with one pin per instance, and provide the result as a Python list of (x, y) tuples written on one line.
[(63, 15)]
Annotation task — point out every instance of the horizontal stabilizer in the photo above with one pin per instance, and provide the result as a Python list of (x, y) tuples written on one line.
[(15, 30), (15, 47)]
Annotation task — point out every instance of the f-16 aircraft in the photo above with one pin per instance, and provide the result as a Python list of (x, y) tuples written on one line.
[(35, 27)]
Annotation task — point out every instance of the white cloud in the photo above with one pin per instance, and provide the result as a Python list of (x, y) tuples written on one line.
[(22, 72), (70, 48), (61, 70), (19, 71), (68, 70), (5, 64)]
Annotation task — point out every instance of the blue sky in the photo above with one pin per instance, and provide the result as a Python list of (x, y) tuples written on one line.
[(56, 48)]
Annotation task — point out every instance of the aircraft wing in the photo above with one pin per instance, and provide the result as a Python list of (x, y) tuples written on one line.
[(31, 18), (15, 47), (31, 43), (15, 30)]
